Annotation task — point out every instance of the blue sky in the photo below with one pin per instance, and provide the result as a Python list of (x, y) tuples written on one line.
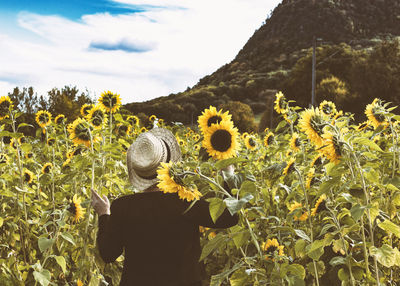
[(141, 49)]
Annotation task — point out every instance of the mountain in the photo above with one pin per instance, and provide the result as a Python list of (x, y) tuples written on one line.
[(266, 61)]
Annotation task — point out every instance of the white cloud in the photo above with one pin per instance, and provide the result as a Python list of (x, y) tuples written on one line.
[(186, 42)]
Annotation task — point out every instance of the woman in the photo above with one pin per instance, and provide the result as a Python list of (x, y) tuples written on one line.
[(160, 240)]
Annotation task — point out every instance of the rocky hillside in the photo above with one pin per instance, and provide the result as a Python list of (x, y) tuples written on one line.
[(266, 61)]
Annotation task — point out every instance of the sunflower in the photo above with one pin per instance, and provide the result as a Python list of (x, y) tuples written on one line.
[(331, 148), (312, 123), (268, 139), (196, 137), (197, 147), (160, 122), (328, 108), (76, 152), (79, 132), (79, 282), (134, 119), (60, 119), (142, 130), (46, 169), (76, 209), (374, 112), (85, 109), (296, 206), (13, 143), (319, 205), (43, 118), (250, 142), (317, 161), (180, 141), (289, 166), (152, 118), (5, 105), (310, 178), (28, 176), (168, 183), (295, 142), (66, 163), (362, 126), (244, 135), (28, 155), (3, 158), (220, 140), (110, 101), (51, 141), (281, 106), (123, 130), (270, 247), (97, 116), (212, 116)]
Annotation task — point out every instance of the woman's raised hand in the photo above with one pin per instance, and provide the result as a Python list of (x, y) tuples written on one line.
[(100, 205)]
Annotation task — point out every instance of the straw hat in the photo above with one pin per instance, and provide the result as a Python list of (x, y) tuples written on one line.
[(147, 152)]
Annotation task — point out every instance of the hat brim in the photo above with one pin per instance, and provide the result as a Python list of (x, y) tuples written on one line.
[(168, 137)]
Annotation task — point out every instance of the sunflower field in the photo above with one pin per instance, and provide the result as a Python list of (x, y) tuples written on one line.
[(317, 196)]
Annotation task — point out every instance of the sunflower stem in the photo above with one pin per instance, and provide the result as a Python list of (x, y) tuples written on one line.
[(309, 220)]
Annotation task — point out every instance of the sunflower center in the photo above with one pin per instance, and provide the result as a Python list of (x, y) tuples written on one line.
[(216, 119), (379, 117), (109, 100), (77, 151), (321, 207), (271, 249), (72, 208), (327, 109), (47, 169), (297, 142), (27, 177), (44, 118), (29, 155), (3, 159), (318, 161), (4, 107), (82, 132), (60, 120), (221, 140), (252, 143), (86, 110), (98, 118), (316, 124), (270, 139)]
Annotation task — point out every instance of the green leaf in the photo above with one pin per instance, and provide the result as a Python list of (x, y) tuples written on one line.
[(226, 162), (239, 278), (45, 243), (23, 124), (337, 260), (217, 207), (366, 142), (316, 249), (43, 277), (390, 227), (211, 245), (343, 274), (300, 248), (216, 280), (297, 270), (357, 211), (248, 187), (302, 234), (235, 205), (61, 261), (386, 255)]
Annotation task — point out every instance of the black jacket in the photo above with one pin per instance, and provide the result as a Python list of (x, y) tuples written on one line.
[(162, 245)]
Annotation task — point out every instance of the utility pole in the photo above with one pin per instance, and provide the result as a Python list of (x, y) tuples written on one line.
[(313, 72)]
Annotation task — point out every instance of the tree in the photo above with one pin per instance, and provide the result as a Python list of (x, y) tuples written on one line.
[(242, 115)]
